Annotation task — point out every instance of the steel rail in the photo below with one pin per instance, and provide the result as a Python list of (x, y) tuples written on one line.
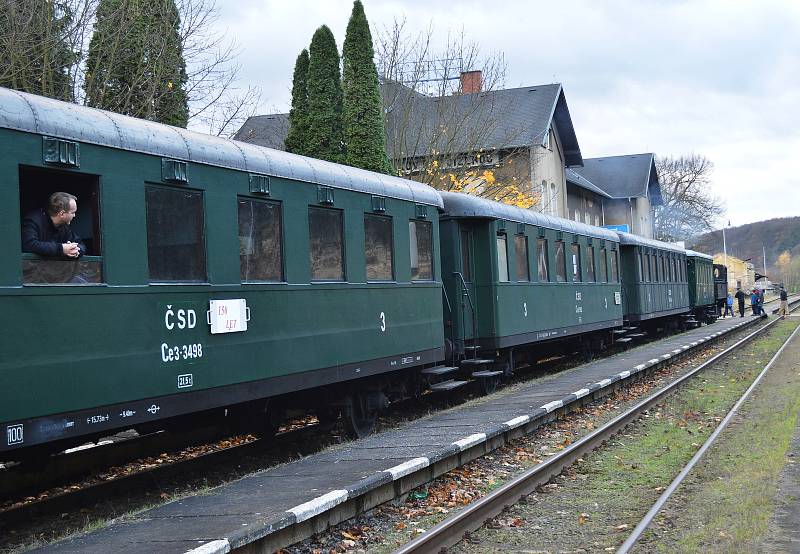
[(453, 529), (648, 518)]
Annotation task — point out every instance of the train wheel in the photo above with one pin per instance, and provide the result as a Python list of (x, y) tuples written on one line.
[(360, 415), (328, 415)]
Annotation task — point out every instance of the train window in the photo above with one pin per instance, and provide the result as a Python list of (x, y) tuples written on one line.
[(260, 240), (664, 269), (176, 248), (421, 241), (590, 275), (603, 266), (642, 274), (541, 260), (39, 265), (614, 268), (466, 256), (576, 263), (523, 265), (378, 250), (653, 267), (502, 258), (561, 263), (326, 245)]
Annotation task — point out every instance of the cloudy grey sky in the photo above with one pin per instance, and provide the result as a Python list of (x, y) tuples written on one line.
[(717, 78)]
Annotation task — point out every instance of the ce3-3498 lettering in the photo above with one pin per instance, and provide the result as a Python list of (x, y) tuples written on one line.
[(181, 352)]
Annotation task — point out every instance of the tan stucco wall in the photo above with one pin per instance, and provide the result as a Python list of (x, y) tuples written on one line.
[(547, 164)]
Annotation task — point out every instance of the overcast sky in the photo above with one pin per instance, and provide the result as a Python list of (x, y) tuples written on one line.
[(717, 78)]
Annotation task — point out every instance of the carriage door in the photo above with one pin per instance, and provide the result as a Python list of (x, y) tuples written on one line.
[(466, 301)]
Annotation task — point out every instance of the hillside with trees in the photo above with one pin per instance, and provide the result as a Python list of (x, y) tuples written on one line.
[(780, 237)]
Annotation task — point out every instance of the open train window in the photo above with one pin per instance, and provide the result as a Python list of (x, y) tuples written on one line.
[(260, 240), (421, 245), (326, 244), (40, 266), (176, 249), (378, 249)]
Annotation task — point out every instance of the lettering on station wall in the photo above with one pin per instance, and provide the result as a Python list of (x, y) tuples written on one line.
[(228, 316)]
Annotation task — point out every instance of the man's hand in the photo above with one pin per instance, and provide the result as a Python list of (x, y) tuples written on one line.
[(71, 249)]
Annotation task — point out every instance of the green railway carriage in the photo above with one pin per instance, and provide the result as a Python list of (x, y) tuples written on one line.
[(702, 297), (218, 273), (654, 278), (514, 277)]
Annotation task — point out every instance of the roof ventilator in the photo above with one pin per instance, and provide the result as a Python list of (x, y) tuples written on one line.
[(61, 152), (173, 170)]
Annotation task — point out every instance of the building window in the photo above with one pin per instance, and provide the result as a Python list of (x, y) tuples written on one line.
[(541, 260), (523, 265), (603, 266), (176, 249), (576, 263), (378, 250), (553, 207), (590, 275), (260, 240), (326, 245), (597, 220), (587, 218), (502, 258), (421, 243), (577, 215), (561, 263)]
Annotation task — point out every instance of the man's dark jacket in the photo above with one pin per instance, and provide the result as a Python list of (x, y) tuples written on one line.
[(740, 296), (40, 236)]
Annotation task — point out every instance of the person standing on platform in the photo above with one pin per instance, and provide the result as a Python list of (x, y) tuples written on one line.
[(728, 305), (754, 302), (740, 299), (784, 309)]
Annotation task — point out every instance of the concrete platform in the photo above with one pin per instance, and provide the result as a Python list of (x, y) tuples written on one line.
[(283, 504)]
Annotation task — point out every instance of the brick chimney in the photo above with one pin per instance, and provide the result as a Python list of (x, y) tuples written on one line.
[(471, 81)]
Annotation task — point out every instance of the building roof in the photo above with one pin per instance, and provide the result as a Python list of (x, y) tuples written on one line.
[(584, 183), (45, 116), (636, 240), (466, 205), (491, 120), (628, 176)]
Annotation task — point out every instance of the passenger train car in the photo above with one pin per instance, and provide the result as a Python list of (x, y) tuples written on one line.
[(224, 279)]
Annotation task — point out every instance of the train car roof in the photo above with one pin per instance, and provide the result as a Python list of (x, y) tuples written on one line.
[(45, 116), (636, 240), (695, 254), (466, 205)]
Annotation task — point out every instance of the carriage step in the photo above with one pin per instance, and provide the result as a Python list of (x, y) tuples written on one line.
[(486, 374), (630, 328), (619, 331), (637, 335), (448, 385), (624, 340), (692, 321), (473, 347), (438, 370), (476, 361)]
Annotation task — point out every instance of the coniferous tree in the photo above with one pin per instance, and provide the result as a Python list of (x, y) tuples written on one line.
[(35, 41), (364, 133), (325, 138), (297, 136), (135, 64)]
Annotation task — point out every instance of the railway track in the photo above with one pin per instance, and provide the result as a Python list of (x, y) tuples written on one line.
[(453, 529)]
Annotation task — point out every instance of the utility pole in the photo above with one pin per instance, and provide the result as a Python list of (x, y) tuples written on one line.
[(764, 252)]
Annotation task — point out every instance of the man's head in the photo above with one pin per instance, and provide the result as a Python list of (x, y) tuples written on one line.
[(62, 207)]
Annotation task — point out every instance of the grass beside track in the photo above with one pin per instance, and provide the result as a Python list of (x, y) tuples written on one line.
[(594, 505)]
